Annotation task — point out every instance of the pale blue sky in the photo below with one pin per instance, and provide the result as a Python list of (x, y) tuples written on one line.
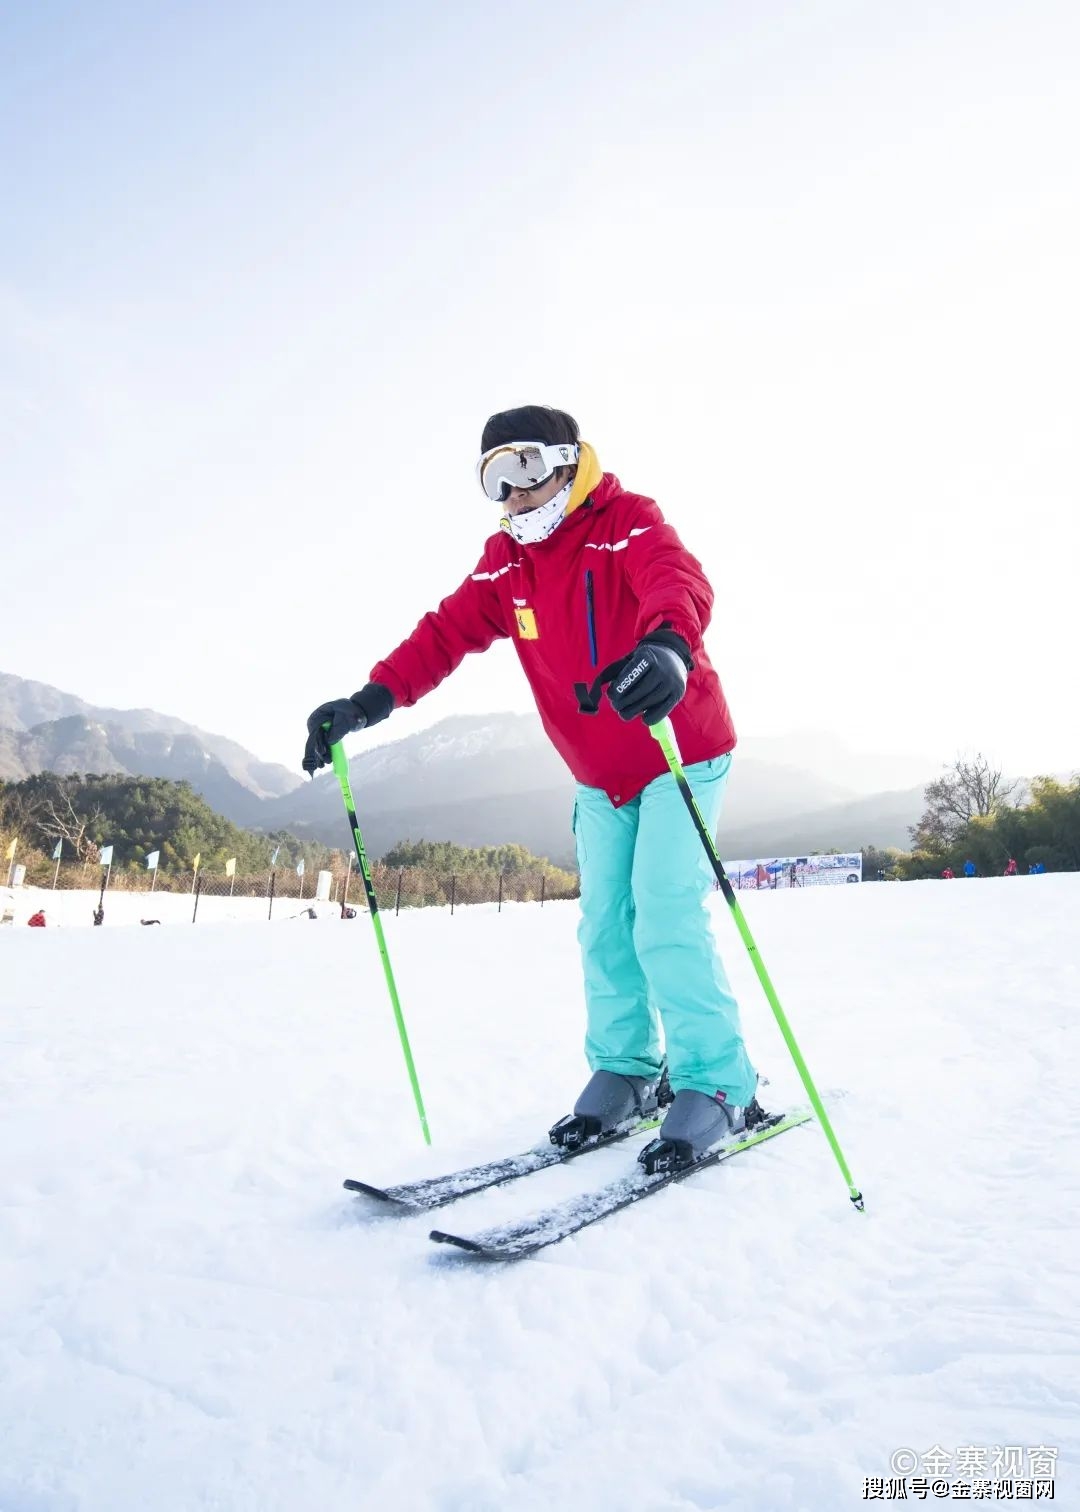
[(806, 273)]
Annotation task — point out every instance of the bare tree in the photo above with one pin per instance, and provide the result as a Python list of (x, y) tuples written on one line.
[(971, 787), (59, 820)]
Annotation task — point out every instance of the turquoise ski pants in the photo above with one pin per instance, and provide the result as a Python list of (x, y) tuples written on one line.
[(646, 938)]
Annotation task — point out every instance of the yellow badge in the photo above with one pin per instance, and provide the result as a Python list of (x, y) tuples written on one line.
[(526, 623)]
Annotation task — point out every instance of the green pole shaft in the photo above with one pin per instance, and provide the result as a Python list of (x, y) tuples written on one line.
[(341, 768), (663, 733)]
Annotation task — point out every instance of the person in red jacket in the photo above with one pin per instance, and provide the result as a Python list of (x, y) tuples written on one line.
[(595, 589), (37, 920)]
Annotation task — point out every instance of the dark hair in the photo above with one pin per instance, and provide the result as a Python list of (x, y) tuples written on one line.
[(532, 422)]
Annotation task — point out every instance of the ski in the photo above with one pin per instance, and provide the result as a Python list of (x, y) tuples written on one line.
[(436, 1191), (515, 1241)]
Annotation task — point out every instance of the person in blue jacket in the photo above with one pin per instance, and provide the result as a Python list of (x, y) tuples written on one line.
[(969, 868)]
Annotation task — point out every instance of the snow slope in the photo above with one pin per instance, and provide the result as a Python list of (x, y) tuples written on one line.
[(194, 1316)]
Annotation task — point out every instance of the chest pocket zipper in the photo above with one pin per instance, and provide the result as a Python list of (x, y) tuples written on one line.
[(590, 616)]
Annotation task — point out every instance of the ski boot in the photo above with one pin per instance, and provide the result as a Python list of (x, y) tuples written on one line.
[(695, 1124), (609, 1101)]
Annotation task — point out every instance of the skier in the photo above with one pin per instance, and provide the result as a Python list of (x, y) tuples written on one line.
[(948, 874), (581, 573), (969, 868), (1011, 869), (37, 920)]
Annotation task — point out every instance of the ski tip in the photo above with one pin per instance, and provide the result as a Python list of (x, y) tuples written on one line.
[(362, 1186), (380, 1194), (459, 1241)]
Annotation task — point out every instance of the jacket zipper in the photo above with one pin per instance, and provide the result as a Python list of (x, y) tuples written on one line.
[(590, 616)]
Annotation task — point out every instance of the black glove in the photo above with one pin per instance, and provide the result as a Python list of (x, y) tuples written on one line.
[(332, 721), (652, 679)]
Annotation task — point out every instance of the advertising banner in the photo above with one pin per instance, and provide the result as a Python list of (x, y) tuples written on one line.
[(773, 872)]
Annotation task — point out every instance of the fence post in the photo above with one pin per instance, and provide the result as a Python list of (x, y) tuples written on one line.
[(397, 900), (273, 882), (198, 893), (499, 910), (543, 884), (453, 893)]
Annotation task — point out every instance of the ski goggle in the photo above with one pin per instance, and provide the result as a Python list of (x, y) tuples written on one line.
[(524, 464)]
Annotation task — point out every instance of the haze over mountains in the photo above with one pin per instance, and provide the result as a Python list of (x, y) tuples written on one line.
[(473, 779)]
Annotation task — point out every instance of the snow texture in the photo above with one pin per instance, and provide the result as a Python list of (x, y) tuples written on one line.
[(195, 1316)]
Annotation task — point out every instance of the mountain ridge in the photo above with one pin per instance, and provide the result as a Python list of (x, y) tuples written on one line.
[(472, 779)]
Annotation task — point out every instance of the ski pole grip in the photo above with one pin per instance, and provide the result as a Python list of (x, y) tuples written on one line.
[(663, 732), (338, 757)]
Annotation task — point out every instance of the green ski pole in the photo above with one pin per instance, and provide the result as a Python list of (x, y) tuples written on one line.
[(341, 768), (666, 737)]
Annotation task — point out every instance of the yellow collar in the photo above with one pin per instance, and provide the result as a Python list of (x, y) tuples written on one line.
[(588, 476)]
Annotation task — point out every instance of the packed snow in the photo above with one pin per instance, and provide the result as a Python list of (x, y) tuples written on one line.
[(194, 1314)]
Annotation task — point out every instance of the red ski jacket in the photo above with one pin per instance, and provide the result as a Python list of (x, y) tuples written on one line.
[(611, 572)]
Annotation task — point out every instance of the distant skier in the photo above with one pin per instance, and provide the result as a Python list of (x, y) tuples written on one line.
[(969, 868), (1011, 870), (948, 874), (37, 920), (581, 574)]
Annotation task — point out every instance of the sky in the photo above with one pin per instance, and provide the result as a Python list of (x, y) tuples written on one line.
[(805, 273)]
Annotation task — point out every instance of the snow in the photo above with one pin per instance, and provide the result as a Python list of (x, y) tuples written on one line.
[(194, 1315)]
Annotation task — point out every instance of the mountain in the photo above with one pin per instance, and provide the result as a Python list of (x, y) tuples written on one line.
[(472, 779), (44, 729), (488, 779)]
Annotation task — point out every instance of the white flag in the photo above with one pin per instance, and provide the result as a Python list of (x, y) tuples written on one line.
[(152, 860), (273, 858), (56, 852), (106, 855), (300, 867), (230, 867)]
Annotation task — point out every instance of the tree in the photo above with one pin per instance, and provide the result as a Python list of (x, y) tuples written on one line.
[(971, 789), (58, 819)]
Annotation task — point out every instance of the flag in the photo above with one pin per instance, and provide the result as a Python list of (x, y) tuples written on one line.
[(300, 867), (195, 863), (230, 867), (57, 850), (9, 854), (152, 860), (273, 858), (106, 855)]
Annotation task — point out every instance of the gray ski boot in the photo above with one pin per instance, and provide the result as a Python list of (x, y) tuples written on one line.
[(608, 1102), (694, 1125)]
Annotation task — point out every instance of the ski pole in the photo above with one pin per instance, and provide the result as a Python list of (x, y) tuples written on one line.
[(663, 733), (341, 768)]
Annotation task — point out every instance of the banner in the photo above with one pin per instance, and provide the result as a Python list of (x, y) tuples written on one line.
[(9, 854), (230, 867), (300, 867), (106, 856), (273, 858), (195, 863), (59, 846), (152, 860), (775, 872)]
